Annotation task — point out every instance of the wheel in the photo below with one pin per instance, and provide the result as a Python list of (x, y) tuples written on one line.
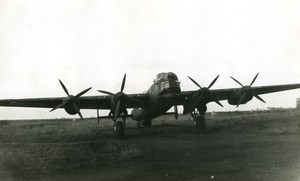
[(200, 123), (120, 130)]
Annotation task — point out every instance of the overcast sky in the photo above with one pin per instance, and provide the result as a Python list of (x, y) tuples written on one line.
[(93, 43)]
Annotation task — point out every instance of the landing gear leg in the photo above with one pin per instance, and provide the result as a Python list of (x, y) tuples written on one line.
[(138, 124), (124, 120), (124, 116), (200, 119), (119, 126), (200, 123), (98, 116), (120, 129)]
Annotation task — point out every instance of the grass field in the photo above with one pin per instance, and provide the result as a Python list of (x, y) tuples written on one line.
[(235, 146)]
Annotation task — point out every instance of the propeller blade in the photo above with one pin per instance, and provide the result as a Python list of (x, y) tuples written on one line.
[(193, 105), (176, 112), (241, 99), (237, 81), (80, 114), (78, 111), (106, 92), (64, 87), (109, 114), (213, 82), (216, 101), (123, 83), (83, 92), (254, 79), (197, 102), (58, 106), (194, 82), (117, 111), (259, 98)]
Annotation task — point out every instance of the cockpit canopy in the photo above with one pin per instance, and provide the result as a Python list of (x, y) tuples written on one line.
[(169, 76), (165, 82)]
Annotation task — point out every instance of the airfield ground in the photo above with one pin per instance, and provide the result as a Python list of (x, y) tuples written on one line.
[(235, 146)]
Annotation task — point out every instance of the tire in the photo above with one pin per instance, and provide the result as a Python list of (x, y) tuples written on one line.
[(146, 123), (200, 123), (120, 130)]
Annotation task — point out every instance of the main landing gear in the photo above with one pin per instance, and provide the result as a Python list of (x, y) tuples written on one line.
[(119, 125), (120, 129), (199, 120)]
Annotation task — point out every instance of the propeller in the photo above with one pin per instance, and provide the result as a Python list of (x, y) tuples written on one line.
[(247, 89), (204, 92), (176, 111), (71, 99), (119, 99)]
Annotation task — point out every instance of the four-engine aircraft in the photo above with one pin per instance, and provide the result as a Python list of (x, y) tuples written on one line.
[(164, 93)]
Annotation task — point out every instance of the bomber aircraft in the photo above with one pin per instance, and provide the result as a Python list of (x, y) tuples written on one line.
[(163, 94)]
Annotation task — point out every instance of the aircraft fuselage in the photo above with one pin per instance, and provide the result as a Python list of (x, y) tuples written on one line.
[(164, 85)]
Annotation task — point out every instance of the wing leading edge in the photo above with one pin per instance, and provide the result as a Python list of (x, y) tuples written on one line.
[(234, 93), (103, 102), (87, 102)]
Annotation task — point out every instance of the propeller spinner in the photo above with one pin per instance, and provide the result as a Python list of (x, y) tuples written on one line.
[(119, 99), (246, 90), (205, 92), (71, 100)]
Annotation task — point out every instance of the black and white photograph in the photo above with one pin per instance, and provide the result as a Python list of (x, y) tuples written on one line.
[(150, 90)]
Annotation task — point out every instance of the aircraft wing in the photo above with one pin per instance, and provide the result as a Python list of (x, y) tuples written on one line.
[(86, 102), (275, 88), (103, 102), (226, 94)]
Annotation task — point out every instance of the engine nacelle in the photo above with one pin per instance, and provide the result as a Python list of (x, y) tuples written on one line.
[(137, 113), (236, 96), (70, 110), (73, 106)]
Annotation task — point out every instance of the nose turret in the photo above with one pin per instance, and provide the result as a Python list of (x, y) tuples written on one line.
[(170, 76), (165, 82), (170, 83)]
